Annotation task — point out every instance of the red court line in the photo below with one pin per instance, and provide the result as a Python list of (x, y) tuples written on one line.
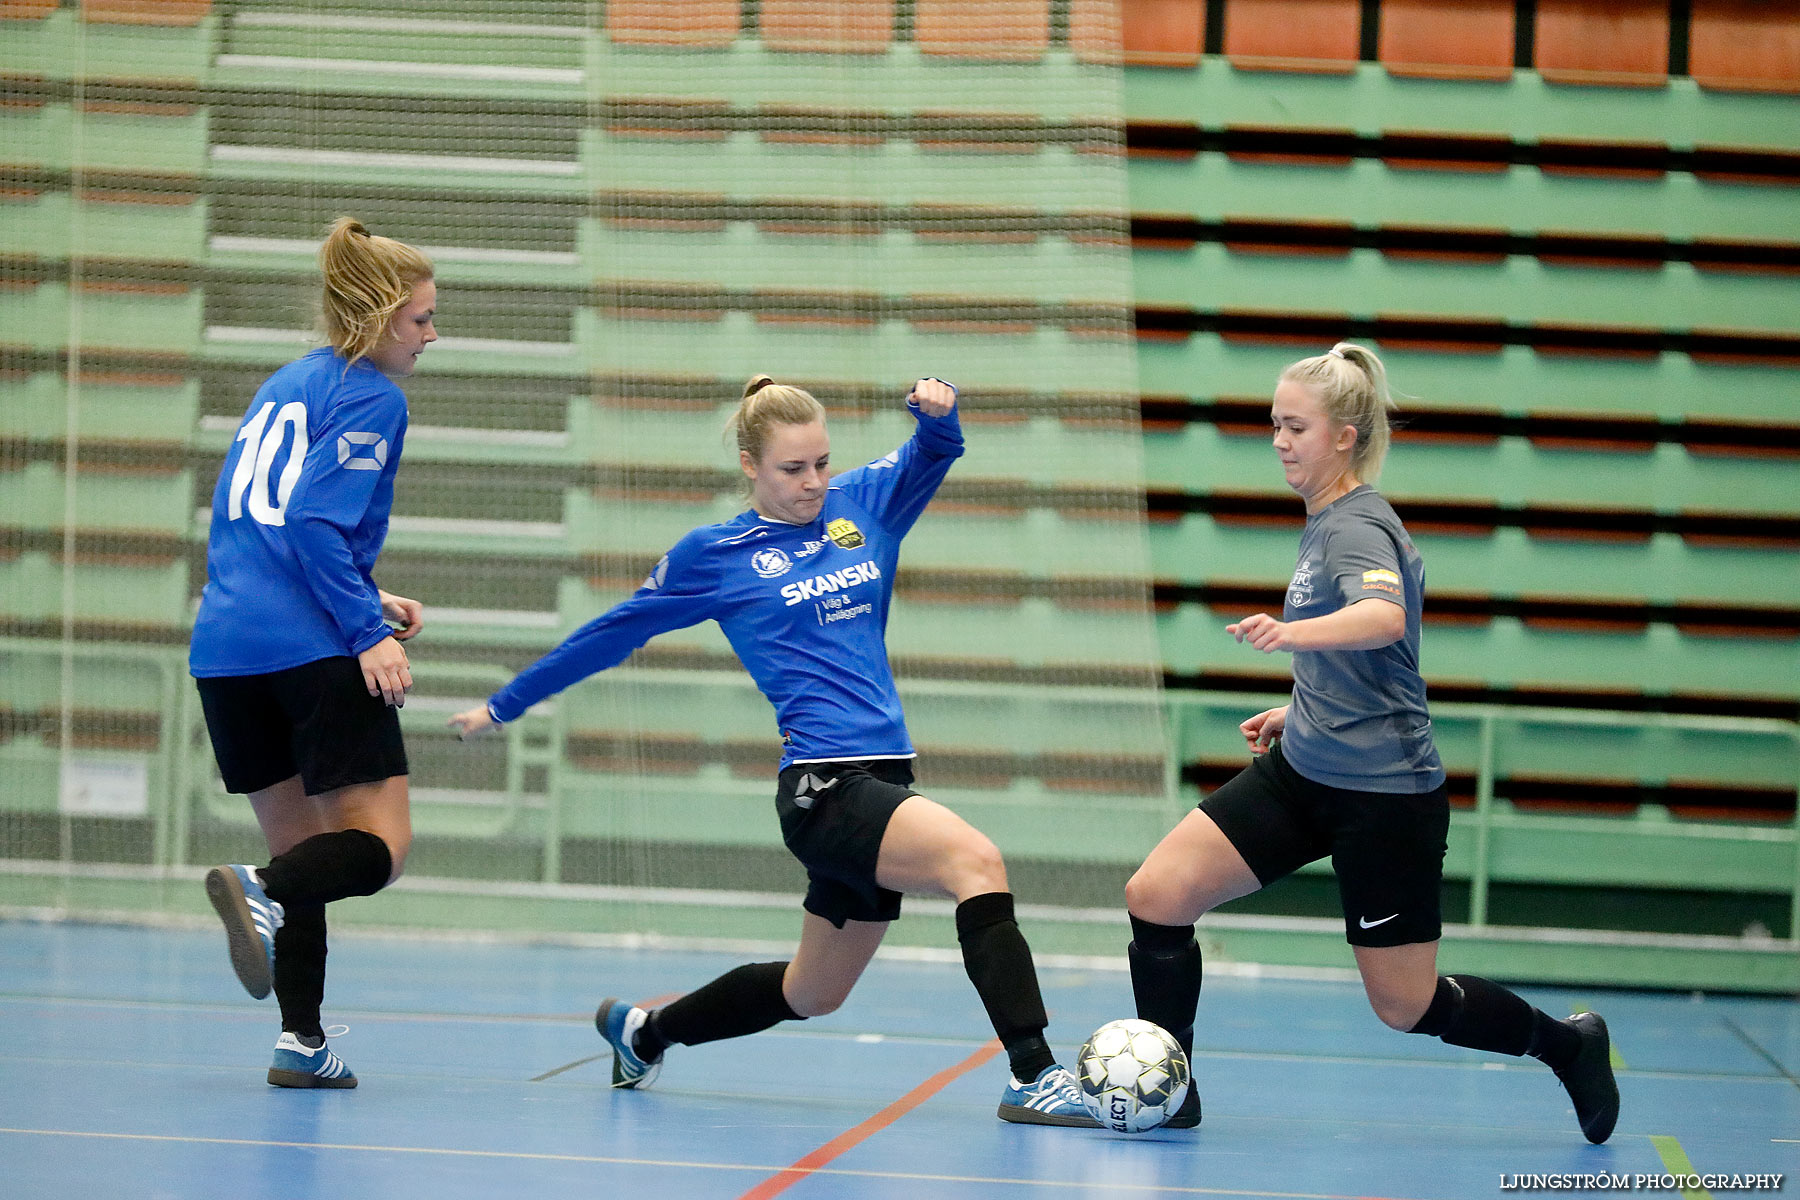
[(856, 1135)]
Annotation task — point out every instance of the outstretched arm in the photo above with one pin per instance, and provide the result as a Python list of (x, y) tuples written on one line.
[(897, 487), (680, 592)]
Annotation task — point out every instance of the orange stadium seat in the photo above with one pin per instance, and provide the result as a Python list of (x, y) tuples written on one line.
[(689, 23), (1616, 43), (1293, 35), (1163, 33), (26, 10), (828, 26), (1431, 39), (1744, 45), (1009, 30), (1095, 31), (146, 12)]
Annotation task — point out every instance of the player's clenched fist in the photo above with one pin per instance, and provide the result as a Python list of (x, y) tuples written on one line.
[(934, 397)]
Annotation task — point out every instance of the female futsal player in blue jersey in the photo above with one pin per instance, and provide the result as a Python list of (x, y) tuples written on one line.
[(800, 584), (1348, 768), (298, 671)]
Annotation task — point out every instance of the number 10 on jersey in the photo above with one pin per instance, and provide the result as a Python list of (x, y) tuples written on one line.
[(262, 440)]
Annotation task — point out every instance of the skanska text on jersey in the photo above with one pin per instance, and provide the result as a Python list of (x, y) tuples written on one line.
[(832, 581)]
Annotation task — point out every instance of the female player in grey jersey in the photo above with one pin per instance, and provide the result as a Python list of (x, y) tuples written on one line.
[(1346, 768), (800, 584)]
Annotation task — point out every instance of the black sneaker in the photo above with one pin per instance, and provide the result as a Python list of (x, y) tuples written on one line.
[(1188, 1115), (1589, 1079)]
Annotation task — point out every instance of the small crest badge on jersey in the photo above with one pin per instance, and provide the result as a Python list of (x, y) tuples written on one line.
[(770, 562), (844, 533)]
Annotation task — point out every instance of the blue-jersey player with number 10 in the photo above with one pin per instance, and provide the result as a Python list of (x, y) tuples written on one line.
[(800, 584), (298, 671)]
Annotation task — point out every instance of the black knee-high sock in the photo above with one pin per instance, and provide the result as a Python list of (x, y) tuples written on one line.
[(327, 867), (300, 968), (1165, 977), (744, 1000), (999, 965), (1467, 1010)]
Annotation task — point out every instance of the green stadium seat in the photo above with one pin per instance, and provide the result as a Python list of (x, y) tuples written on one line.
[(1042, 360), (148, 406), (1666, 569), (1038, 268), (747, 167), (1671, 386), (151, 596), (126, 689), (158, 139), (163, 41), (1431, 39), (1369, 100), (157, 501), (1520, 199), (1506, 652), (1608, 43), (165, 227), (1033, 632)]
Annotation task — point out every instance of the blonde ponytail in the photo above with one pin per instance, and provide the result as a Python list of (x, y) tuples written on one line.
[(1352, 387), (367, 280), (765, 405)]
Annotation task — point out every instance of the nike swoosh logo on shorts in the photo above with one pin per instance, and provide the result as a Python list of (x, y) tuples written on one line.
[(1368, 924)]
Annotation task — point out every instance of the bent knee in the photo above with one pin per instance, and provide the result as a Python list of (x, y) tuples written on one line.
[(814, 1004), (398, 845), (1153, 896), (972, 867), (1399, 1011)]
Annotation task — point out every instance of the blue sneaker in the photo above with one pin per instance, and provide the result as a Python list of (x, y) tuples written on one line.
[(618, 1022), (251, 919), (297, 1065), (1051, 1099)]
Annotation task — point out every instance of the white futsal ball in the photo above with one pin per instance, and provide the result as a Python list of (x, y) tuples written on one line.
[(1133, 1075)]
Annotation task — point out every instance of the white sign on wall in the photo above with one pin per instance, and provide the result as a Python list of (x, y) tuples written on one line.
[(105, 787)]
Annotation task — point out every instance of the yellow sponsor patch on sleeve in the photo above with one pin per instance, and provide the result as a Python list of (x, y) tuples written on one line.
[(1380, 576)]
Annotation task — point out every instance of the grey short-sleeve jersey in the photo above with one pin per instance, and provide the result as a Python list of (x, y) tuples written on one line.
[(1358, 718)]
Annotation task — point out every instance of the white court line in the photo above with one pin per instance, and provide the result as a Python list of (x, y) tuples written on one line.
[(456, 434), (612, 1160), (523, 618), (507, 346), (478, 527), (227, 244), (276, 20), (392, 160), (305, 337), (251, 333), (366, 66), (553, 439)]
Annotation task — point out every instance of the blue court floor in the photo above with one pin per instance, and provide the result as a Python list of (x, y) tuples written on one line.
[(132, 1066)]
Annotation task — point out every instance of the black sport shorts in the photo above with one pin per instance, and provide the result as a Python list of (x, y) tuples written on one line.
[(1387, 848), (833, 816), (316, 720)]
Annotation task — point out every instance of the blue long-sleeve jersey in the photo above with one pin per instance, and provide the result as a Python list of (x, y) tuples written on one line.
[(298, 518), (804, 606)]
